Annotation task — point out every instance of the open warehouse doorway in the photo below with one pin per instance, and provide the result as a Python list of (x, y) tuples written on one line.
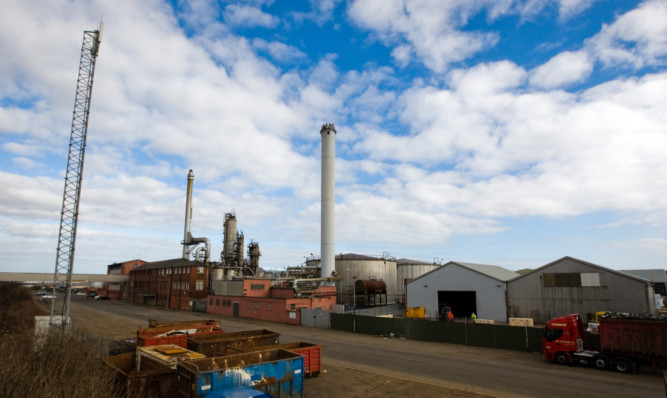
[(462, 303)]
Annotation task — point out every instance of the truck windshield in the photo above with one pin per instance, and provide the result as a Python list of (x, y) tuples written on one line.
[(552, 334)]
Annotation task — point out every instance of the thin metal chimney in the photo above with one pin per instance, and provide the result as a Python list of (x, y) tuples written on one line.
[(327, 237), (190, 243), (187, 236)]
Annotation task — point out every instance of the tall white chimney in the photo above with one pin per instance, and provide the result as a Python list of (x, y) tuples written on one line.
[(327, 238), (187, 236)]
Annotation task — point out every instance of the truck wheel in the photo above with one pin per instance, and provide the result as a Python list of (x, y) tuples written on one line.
[(601, 362), (623, 365), (561, 358)]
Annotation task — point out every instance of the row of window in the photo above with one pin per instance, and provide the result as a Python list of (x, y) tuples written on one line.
[(176, 285), (185, 285), (180, 270), (257, 286), (225, 303)]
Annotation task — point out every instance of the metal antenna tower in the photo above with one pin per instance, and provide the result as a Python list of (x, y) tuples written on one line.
[(77, 146)]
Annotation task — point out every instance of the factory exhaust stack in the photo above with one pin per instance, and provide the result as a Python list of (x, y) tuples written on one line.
[(188, 241), (327, 237), (187, 236)]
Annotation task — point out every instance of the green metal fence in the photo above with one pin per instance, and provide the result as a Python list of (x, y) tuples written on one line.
[(507, 337)]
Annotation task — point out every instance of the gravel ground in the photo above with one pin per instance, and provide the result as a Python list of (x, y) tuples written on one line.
[(337, 378)]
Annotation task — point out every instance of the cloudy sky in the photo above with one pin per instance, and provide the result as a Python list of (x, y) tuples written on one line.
[(504, 132)]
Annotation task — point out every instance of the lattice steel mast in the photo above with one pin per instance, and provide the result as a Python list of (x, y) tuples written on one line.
[(72, 192)]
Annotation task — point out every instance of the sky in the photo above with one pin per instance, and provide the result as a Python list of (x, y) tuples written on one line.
[(502, 132)]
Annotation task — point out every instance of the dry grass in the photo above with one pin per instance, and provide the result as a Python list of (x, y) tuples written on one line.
[(61, 365)]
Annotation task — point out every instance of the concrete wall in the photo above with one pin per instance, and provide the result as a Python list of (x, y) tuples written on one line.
[(527, 297), (489, 292)]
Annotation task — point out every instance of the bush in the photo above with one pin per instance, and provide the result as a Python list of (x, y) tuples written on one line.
[(60, 365), (17, 309)]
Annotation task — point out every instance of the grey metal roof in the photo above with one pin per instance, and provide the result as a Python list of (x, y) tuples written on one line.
[(493, 271), (407, 261), (653, 275), (620, 273), (175, 262)]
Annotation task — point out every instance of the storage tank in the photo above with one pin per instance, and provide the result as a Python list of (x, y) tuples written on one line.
[(363, 268), (407, 270)]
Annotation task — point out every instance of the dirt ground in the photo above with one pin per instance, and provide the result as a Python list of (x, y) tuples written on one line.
[(336, 379)]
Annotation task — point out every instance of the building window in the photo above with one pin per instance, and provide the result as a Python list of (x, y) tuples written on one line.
[(200, 270), (256, 287), (571, 279), (210, 301), (217, 302), (292, 306), (591, 279), (200, 285)]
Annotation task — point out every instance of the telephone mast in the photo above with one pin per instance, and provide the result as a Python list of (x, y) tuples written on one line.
[(77, 146)]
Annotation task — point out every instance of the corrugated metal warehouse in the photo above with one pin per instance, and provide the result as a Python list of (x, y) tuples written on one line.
[(464, 287), (572, 286)]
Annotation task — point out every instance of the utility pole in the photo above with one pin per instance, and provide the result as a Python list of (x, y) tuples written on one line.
[(72, 192)]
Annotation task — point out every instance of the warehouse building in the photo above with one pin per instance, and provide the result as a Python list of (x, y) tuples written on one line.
[(572, 286), (657, 276), (465, 288)]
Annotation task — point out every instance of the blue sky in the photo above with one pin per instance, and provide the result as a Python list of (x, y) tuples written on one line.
[(504, 132)]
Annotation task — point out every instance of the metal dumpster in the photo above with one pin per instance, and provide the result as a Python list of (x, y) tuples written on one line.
[(168, 355), (155, 381), (312, 355), (228, 343), (172, 337), (278, 373)]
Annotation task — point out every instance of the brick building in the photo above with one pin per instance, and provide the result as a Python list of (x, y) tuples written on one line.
[(257, 299), (119, 290), (176, 283)]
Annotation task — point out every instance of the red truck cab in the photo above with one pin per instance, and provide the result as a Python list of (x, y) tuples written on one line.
[(562, 337)]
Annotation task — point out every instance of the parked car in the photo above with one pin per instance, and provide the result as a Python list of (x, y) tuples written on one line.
[(101, 297), (91, 294)]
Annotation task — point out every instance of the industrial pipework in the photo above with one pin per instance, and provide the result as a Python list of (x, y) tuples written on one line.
[(189, 243), (327, 238)]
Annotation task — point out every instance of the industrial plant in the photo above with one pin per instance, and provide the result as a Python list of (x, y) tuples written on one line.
[(236, 285)]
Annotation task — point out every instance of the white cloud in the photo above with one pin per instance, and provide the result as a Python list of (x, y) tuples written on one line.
[(570, 8), (565, 68), (549, 154), (637, 38), (248, 17), (429, 27), (279, 51)]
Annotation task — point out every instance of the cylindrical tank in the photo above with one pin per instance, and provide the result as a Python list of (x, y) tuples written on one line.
[(253, 254), (217, 274), (230, 238), (407, 270), (369, 286), (238, 248), (351, 267)]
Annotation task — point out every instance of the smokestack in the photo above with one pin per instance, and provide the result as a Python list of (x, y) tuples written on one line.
[(187, 236), (327, 253)]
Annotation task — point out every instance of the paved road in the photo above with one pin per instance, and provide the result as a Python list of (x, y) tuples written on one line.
[(493, 372)]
